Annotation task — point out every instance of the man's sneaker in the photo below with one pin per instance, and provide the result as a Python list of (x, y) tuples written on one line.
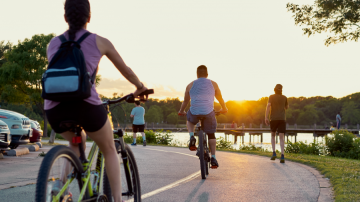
[(282, 159), (133, 144), (144, 143), (192, 145), (214, 163), (273, 156)]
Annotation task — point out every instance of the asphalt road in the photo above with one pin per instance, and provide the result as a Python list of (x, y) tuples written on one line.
[(172, 174)]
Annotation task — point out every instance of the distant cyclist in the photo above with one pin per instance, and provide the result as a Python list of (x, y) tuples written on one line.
[(89, 112), (138, 113), (201, 93)]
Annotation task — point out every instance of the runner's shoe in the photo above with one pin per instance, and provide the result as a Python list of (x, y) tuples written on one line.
[(144, 143), (273, 156), (214, 163), (282, 159), (133, 144), (192, 145)]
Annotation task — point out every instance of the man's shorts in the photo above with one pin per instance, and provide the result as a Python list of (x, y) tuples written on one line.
[(209, 121), (138, 128), (278, 125)]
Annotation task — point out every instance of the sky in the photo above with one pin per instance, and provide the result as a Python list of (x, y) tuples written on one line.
[(248, 46)]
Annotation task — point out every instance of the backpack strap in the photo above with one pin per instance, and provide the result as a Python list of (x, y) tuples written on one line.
[(62, 38), (83, 37)]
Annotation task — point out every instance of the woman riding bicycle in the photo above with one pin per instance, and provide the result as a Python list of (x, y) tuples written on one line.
[(89, 112)]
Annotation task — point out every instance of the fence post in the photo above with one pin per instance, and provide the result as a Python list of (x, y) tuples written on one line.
[(250, 125), (346, 126), (243, 126), (260, 125), (357, 126), (314, 125), (287, 126), (235, 125), (153, 125), (295, 126)]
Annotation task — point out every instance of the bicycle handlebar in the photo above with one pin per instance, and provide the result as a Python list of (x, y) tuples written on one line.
[(217, 113), (129, 98)]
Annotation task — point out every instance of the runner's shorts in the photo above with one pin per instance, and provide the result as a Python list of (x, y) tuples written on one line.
[(91, 117), (138, 128), (209, 122), (278, 125)]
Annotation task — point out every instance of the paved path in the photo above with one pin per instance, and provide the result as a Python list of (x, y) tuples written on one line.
[(172, 174)]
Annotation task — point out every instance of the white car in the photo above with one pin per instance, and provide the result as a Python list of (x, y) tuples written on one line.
[(4, 135), (19, 125)]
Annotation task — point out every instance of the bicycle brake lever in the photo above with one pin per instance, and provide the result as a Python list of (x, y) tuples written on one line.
[(130, 99)]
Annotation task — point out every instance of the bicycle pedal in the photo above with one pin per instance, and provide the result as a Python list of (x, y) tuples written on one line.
[(213, 167), (194, 148)]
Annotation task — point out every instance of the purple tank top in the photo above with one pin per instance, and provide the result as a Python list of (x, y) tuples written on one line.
[(92, 58)]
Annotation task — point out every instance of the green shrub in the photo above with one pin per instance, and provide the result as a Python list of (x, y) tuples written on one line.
[(250, 147), (157, 137), (341, 143), (304, 148), (221, 143)]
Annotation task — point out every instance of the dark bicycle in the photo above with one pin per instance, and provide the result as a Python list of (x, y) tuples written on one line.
[(86, 181)]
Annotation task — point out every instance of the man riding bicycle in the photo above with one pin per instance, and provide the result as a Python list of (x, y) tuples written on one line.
[(201, 92)]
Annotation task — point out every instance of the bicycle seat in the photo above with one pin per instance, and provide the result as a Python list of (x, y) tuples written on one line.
[(69, 125)]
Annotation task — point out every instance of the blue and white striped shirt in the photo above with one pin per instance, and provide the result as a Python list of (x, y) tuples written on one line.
[(202, 95)]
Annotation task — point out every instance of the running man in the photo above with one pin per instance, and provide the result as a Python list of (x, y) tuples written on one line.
[(338, 120), (138, 113), (277, 105), (201, 92)]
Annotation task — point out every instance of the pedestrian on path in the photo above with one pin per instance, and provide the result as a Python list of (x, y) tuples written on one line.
[(276, 106), (138, 113), (338, 120)]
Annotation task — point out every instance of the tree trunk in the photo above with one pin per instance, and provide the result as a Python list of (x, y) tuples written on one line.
[(52, 137)]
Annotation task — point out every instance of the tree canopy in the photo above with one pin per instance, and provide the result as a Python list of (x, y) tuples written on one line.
[(20, 75), (340, 18)]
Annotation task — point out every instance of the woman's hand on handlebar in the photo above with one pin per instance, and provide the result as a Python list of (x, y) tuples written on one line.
[(139, 91)]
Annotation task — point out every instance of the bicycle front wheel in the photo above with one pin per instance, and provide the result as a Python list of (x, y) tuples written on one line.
[(134, 177), (60, 171), (202, 156)]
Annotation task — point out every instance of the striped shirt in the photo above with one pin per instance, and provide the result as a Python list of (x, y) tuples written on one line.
[(202, 95)]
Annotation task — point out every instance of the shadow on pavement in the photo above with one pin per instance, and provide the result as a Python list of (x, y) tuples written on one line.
[(204, 197), (193, 193)]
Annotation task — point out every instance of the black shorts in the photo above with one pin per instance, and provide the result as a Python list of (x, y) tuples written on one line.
[(278, 125), (91, 117), (138, 128)]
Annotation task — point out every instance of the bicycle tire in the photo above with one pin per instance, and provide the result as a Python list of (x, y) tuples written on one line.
[(207, 159), (202, 156), (134, 174), (45, 168)]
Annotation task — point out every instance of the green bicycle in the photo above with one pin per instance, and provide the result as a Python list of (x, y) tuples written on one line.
[(64, 177)]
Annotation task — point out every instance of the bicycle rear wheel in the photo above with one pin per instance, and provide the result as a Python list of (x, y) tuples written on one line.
[(57, 165), (202, 155), (134, 176)]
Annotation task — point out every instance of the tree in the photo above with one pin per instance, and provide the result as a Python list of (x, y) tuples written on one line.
[(4, 48), (350, 113), (338, 17), (221, 118), (308, 116), (20, 76), (172, 118), (154, 114)]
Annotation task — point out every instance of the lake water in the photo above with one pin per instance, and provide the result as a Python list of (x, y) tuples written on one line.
[(183, 138)]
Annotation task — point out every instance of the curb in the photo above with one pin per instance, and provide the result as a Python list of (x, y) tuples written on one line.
[(33, 148), (18, 152), (39, 144)]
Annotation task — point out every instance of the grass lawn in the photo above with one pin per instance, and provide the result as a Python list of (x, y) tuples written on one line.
[(344, 174)]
